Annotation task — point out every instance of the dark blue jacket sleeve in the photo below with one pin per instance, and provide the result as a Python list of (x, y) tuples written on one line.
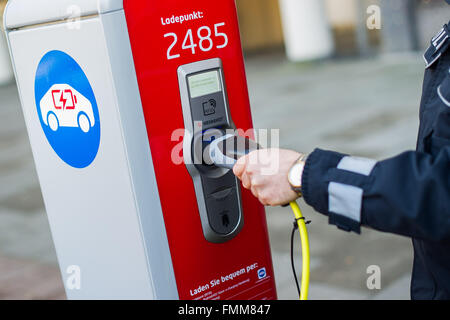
[(407, 195)]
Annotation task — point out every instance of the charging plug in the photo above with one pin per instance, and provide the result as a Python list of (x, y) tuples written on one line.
[(225, 151)]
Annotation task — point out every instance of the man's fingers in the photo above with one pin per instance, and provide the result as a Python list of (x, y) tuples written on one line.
[(254, 191), (239, 167), (246, 182)]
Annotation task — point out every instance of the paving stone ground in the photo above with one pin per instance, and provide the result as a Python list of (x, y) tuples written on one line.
[(362, 107)]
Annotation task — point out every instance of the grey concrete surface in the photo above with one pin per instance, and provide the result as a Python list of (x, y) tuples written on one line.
[(366, 108)]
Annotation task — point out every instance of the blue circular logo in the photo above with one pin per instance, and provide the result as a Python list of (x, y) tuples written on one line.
[(67, 109)]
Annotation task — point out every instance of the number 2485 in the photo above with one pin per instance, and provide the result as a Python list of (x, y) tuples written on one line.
[(205, 40)]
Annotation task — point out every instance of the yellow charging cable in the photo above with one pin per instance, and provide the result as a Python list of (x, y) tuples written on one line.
[(305, 250)]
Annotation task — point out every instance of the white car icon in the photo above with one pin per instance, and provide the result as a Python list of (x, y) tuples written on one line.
[(63, 106)]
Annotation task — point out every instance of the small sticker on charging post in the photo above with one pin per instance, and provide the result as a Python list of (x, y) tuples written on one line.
[(67, 109), (262, 273)]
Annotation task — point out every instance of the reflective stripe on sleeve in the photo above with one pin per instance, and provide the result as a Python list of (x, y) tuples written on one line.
[(345, 200), (362, 166)]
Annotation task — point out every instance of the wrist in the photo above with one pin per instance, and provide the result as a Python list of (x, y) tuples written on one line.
[(295, 174)]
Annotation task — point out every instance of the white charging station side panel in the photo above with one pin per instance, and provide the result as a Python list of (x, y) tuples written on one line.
[(139, 156), (30, 12), (93, 211)]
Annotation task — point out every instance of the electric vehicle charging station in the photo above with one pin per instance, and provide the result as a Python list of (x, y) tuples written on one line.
[(114, 95)]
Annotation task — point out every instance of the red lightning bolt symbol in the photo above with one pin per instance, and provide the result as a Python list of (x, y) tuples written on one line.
[(63, 100)]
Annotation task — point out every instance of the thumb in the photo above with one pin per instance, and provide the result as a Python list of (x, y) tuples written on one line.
[(239, 167)]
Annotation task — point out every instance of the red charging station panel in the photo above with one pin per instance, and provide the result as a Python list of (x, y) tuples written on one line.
[(164, 35)]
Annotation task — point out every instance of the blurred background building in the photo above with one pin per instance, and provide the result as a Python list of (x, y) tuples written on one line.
[(406, 25), (273, 25), (338, 74)]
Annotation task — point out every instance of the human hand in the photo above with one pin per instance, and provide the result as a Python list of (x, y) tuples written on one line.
[(265, 173)]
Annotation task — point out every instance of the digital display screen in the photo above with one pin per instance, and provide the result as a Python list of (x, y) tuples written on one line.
[(203, 84)]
